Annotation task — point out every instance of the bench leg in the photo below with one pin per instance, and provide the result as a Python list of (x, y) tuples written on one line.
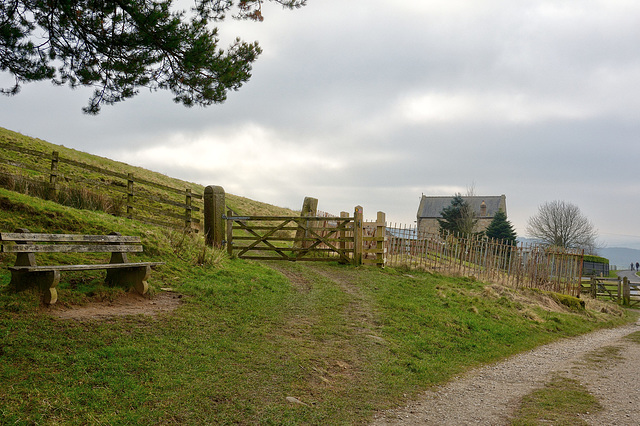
[(130, 277), (45, 281)]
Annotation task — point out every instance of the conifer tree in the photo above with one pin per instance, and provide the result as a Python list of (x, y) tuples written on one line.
[(501, 229), (458, 217)]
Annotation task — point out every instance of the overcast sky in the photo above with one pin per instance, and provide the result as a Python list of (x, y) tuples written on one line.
[(376, 102)]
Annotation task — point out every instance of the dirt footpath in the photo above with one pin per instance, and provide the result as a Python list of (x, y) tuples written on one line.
[(491, 394)]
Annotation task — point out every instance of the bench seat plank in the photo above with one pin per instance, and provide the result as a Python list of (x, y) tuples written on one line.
[(71, 248), (34, 237), (46, 268)]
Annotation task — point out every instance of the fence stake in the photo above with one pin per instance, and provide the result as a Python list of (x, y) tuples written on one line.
[(357, 236), (381, 232), (214, 224), (580, 266)]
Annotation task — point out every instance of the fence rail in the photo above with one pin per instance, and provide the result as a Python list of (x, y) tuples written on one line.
[(130, 196)]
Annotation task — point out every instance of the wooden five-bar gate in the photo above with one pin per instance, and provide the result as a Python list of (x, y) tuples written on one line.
[(619, 290), (346, 239)]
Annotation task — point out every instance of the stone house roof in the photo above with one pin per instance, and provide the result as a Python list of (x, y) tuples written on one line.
[(483, 206)]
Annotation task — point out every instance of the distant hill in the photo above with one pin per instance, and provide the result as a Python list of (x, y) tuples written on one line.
[(620, 256)]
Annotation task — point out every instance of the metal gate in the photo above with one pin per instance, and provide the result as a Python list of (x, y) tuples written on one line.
[(294, 238)]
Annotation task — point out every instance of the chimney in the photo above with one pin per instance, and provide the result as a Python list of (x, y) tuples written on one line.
[(483, 209)]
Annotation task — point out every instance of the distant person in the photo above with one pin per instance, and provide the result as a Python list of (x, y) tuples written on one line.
[(637, 265)]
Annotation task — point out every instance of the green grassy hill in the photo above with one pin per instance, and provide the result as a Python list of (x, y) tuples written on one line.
[(246, 338), (9, 158)]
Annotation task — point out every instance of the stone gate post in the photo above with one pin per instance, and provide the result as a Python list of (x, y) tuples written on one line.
[(214, 208)]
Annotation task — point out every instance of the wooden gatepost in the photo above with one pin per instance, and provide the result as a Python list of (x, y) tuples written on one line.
[(358, 241), (626, 291)]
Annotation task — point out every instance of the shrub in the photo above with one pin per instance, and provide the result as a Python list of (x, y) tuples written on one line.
[(570, 302), (594, 259)]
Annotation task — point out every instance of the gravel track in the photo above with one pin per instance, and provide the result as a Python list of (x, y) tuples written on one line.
[(491, 394)]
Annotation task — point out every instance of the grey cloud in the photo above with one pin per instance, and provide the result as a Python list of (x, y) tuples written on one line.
[(552, 112)]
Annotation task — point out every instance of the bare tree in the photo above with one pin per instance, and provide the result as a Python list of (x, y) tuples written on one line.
[(562, 224)]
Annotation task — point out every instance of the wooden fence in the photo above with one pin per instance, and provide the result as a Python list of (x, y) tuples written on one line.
[(52, 176), (489, 260)]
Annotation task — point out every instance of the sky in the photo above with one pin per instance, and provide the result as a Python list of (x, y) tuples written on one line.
[(376, 102)]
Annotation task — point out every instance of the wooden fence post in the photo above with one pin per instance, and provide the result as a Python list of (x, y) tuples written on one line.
[(309, 208), (357, 236), (187, 210), (594, 288), (214, 223), (626, 291), (130, 195), (381, 233), (53, 176)]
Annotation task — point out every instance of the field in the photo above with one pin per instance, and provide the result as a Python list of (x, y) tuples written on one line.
[(247, 338)]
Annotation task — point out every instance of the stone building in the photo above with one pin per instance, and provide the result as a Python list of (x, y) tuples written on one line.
[(484, 207)]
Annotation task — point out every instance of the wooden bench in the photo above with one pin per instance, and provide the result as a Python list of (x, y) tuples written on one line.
[(26, 273)]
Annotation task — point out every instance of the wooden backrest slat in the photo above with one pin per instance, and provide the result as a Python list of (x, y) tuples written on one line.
[(71, 248), (54, 238)]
